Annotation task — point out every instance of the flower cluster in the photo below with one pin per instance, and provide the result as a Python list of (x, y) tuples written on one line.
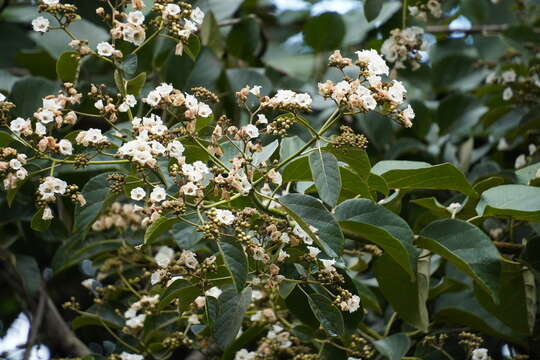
[(404, 45), (369, 90), (12, 167), (420, 9), (120, 216)]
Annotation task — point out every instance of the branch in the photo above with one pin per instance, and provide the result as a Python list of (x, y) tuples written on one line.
[(488, 28), (35, 324)]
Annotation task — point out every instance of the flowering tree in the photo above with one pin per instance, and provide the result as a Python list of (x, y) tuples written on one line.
[(195, 181)]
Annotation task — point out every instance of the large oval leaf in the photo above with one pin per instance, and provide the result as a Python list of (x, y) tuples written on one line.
[(328, 314), (407, 175), (325, 171), (235, 260), (307, 210), (230, 313), (466, 247), (324, 32), (98, 197), (380, 226), (518, 201)]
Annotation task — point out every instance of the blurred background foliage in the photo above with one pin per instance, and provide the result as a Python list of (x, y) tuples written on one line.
[(285, 44)]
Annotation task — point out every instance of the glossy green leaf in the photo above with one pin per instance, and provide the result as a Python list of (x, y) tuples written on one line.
[(38, 224), (520, 202), (467, 248), (28, 269), (407, 296), (135, 85), (98, 197), (157, 228), (235, 260), (407, 175), (193, 48), (374, 223), (324, 32), (28, 92), (307, 210), (182, 291), (328, 314), (325, 172), (5, 139), (372, 8), (393, 347), (67, 66), (357, 160), (231, 310)]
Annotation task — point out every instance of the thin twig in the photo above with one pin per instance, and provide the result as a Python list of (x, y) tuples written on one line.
[(35, 323)]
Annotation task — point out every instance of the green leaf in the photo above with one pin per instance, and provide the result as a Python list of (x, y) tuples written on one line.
[(5, 139), (325, 171), (235, 260), (393, 347), (307, 210), (463, 309), (28, 269), (517, 307), (231, 310), (28, 93), (357, 160), (436, 209), (240, 77), (372, 8), (193, 48), (324, 32), (244, 39), (407, 175), (158, 227), (467, 248), (129, 66), (517, 201), (98, 197), (297, 170), (380, 226), (38, 224), (67, 66), (183, 291), (407, 296), (328, 314), (135, 85)]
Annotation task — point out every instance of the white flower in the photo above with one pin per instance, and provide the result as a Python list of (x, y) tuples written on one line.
[(243, 354), (453, 208), (353, 303), (193, 319), (135, 18), (507, 94), (90, 136), (328, 264), (99, 105), (158, 194), (127, 356), (65, 147), (282, 255), (164, 256), (156, 277), (173, 279), (261, 119), (19, 124), (105, 49), (164, 89), (123, 107), (251, 131), (256, 90), (520, 162), (480, 354), (136, 322), (257, 295), (45, 116), (303, 100), (189, 26), (508, 76), (50, 187), (153, 98), (189, 189), (189, 259), (51, 2), (408, 114), (15, 164), (40, 24), (203, 110), (47, 214), (197, 15), (313, 251), (2, 97), (40, 129), (172, 9), (373, 61), (225, 217), (138, 193), (21, 174), (130, 100), (396, 91), (213, 292)]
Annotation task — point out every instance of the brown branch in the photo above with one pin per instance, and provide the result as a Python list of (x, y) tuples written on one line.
[(35, 324), (488, 28)]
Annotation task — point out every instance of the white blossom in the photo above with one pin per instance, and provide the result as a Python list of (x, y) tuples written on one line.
[(40, 24), (226, 217), (164, 256), (261, 119), (396, 91), (373, 61), (213, 292), (2, 97), (127, 356), (172, 9), (136, 322), (480, 354), (135, 18), (197, 15), (328, 264), (251, 131), (313, 251), (51, 2), (507, 94), (45, 116), (153, 98), (256, 90), (105, 49), (189, 259), (51, 187), (189, 189), (164, 89), (158, 194), (19, 124), (65, 147), (138, 194), (91, 137), (193, 319), (508, 76), (47, 214)]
